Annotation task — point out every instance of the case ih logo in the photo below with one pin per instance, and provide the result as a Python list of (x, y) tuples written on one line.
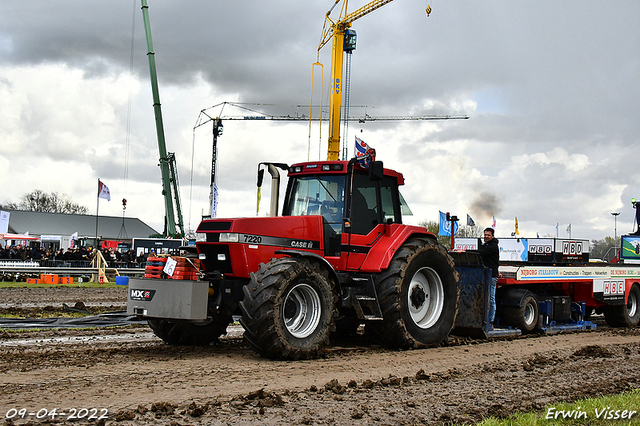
[(143, 295)]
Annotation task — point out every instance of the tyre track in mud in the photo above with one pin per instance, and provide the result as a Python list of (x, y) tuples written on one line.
[(348, 384), (142, 381)]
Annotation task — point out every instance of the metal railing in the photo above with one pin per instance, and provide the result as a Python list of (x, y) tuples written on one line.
[(73, 268)]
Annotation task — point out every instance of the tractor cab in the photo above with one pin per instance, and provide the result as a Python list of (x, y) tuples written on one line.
[(356, 203)]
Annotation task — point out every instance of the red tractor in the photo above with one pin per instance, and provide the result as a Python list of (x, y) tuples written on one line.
[(338, 257)]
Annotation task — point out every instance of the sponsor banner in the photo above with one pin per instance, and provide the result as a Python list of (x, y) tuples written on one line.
[(531, 273), (608, 287), (514, 250), (4, 222), (464, 244), (541, 246), (571, 248), (630, 247), (611, 291)]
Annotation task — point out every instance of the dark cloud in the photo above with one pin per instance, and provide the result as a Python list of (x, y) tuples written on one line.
[(533, 77)]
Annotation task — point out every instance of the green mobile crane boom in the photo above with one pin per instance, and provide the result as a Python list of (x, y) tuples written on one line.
[(167, 162)]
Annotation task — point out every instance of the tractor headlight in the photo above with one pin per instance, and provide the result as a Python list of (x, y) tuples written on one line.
[(201, 237), (229, 237)]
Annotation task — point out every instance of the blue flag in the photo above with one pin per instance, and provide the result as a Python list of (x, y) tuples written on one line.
[(364, 153), (445, 226)]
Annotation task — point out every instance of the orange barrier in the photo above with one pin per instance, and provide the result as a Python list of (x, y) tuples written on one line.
[(49, 279)]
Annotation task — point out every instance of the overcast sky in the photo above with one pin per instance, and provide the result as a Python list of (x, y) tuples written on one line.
[(552, 90)]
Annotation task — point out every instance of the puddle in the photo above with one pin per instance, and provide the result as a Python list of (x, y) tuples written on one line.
[(74, 340)]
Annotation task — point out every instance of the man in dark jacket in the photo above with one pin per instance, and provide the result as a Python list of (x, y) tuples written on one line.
[(490, 253)]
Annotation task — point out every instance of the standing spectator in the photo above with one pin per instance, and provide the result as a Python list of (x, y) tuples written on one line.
[(490, 253), (35, 254)]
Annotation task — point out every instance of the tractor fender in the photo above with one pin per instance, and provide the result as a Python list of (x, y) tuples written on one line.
[(514, 297), (309, 255), (380, 256)]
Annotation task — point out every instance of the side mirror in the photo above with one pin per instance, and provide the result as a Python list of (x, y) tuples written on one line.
[(376, 170)]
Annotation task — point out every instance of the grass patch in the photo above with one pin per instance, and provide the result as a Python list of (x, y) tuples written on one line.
[(622, 409)]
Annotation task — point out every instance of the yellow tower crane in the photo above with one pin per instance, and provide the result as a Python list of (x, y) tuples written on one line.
[(335, 31)]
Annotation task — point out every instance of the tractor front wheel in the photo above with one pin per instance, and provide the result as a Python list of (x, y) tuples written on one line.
[(288, 309), (184, 333)]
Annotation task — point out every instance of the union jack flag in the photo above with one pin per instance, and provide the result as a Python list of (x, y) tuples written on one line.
[(364, 153)]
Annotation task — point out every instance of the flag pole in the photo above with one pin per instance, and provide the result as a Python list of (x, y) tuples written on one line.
[(97, 209)]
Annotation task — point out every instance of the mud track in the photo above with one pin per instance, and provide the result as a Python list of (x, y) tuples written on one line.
[(141, 381)]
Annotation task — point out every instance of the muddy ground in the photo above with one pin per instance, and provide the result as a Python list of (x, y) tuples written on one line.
[(135, 379)]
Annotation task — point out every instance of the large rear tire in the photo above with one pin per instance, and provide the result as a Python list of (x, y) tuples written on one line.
[(625, 315), (184, 333), (418, 296), (288, 309)]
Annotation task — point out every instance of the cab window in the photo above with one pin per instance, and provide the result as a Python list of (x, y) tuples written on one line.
[(318, 195)]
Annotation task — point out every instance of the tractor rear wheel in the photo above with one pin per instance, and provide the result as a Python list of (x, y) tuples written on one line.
[(184, 333), (288, 309), (418, 295), (625, 315)]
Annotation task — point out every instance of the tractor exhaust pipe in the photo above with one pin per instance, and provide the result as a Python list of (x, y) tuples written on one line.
[(275, 190), (275, 185)]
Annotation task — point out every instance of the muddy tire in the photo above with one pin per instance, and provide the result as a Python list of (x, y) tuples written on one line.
[(525, 316), (625, 315), (418, 295), (288, 309), (183, 333)]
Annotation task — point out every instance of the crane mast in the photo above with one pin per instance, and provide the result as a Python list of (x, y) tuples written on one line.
[(167, 163), (335, 31)]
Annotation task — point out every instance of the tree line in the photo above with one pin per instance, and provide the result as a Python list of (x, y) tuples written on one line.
[(40, 201)]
